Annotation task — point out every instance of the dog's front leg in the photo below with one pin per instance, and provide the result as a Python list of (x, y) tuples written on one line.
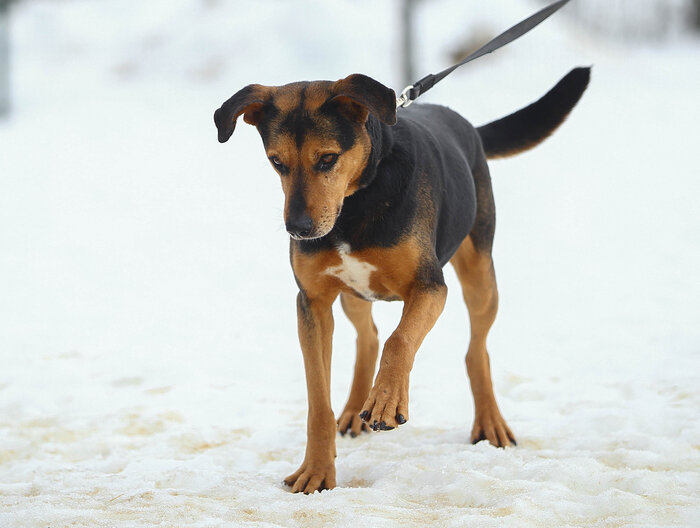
[(359, 312), (315, 322), (387, 404)]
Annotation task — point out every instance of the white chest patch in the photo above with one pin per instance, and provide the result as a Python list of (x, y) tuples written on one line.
[(353, 272)]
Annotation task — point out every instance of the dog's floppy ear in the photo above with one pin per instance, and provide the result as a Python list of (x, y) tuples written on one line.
[(248, 101), (359, 94)]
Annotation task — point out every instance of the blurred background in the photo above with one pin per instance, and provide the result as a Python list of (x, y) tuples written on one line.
[(146, 29), (106, 153), (144, 274)]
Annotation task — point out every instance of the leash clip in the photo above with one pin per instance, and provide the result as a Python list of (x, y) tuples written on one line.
[(403, 100)]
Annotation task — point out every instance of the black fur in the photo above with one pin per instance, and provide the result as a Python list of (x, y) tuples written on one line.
[(423, 161), (534, 123), (433, 159), (226, 116), (298, 121), (426, 175), (343, 129), (297, 201), (373, 95)]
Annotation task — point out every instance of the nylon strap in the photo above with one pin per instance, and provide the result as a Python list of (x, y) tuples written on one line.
[(508, 36)]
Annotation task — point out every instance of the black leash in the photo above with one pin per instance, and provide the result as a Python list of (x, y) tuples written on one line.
[(412, 92)]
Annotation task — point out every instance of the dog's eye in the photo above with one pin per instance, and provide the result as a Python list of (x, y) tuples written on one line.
[(278, 164), (327, 161)]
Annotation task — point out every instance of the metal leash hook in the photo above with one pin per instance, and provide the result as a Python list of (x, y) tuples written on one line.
[(403, 100)]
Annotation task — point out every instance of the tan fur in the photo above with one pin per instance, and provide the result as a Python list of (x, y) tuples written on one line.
[(315, 324), (358, 276), (251, 113), (396, 270), (395, 277), (477, 277), (324, 193), (388, 399), (303, 126), (359, 312)]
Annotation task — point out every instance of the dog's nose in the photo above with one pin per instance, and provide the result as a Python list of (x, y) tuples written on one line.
[(300, 226)]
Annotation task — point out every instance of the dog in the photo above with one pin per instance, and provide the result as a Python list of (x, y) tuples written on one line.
[(377, 201)]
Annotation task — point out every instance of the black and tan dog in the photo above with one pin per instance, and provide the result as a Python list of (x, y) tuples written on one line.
[(376, 204)]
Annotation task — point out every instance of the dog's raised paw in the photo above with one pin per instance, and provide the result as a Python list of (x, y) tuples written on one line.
[(386, 407)]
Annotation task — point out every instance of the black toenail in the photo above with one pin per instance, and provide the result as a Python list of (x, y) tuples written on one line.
[(364, 415), (353, 435), (400, 419)]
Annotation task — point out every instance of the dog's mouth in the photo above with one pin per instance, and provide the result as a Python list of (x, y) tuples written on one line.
[(321, 230), (294, 236), (314, 235)]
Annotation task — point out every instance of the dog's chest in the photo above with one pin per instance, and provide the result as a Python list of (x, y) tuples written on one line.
[(353, 272)]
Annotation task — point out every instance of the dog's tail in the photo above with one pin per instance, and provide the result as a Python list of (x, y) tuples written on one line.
[(533, 124)]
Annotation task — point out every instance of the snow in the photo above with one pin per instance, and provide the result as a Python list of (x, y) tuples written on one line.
[(150, 370)]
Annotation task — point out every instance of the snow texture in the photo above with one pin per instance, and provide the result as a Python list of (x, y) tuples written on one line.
[(150, 373)]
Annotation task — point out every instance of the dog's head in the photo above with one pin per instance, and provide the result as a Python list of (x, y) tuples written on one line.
[(315, 137)]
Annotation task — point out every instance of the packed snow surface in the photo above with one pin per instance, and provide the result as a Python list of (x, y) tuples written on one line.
[(149, 368)]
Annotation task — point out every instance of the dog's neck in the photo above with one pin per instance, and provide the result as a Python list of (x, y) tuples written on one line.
[(382, 140)]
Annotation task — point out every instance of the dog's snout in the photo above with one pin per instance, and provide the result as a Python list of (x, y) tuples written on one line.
[(299, 226)]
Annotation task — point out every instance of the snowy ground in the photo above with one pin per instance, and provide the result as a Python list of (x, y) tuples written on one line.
[(150, 374)]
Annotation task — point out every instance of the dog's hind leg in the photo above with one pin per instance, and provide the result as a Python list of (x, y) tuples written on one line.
[(476, 274), (359, 312)]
